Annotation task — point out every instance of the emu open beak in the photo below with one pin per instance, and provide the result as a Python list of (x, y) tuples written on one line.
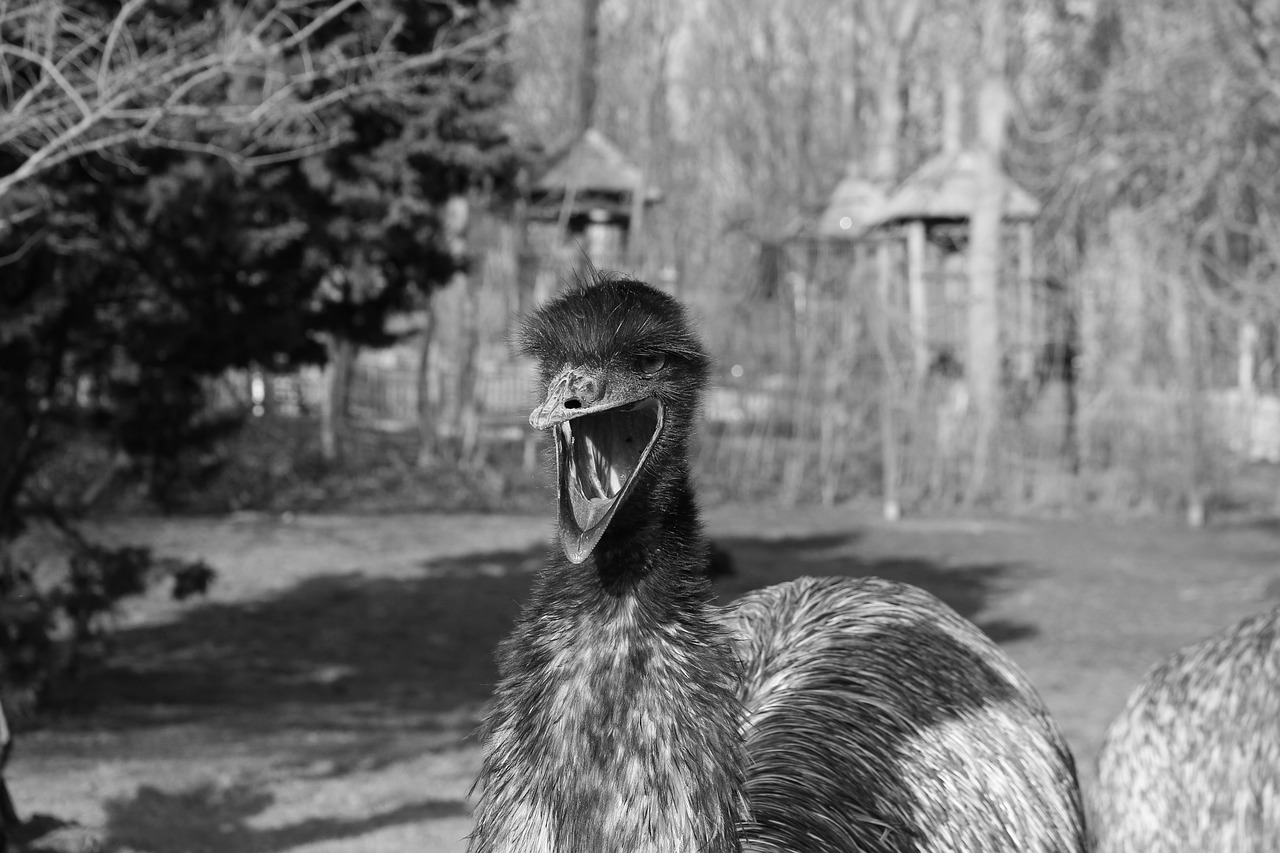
[(600, 450)]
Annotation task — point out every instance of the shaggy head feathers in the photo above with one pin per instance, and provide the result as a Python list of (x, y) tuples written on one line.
[(610, 321), (621, 327)]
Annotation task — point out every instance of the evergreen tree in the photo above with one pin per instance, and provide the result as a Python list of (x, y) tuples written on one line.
[(130, 276)]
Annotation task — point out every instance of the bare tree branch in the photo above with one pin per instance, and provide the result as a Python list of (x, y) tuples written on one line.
[(50, 69), (223, 85), (117, 27)]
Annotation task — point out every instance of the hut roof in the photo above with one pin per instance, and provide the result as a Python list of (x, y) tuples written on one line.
[(591, 164), (856, 203), (943, 188)]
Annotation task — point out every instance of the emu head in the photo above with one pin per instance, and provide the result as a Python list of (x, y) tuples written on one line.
[(621, 375)]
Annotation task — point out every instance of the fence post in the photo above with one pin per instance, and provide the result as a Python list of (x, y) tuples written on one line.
[(888, 391)]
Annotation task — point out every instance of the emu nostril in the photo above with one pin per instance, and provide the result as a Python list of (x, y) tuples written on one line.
[(584, 390)]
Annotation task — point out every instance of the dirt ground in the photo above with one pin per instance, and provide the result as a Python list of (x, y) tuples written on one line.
[(323, 698)]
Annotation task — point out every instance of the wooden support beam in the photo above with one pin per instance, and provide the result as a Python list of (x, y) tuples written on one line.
[(918, 300), (1028, 324), (888, 387)]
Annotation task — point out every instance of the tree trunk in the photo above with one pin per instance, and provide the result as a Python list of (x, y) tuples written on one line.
[(9, 819), (24, 414), (952, 107), (899, 31), (892, 502), (18, 436), (588, 71), (983, 363), (889, 130), (460, 411), (636, 227), (333, 402), (1182, 340), (1029, 338), (1073, 345), (653, 125), (1246, 366), (526, 257), (427, 427), (466, 413), (1132, 269)]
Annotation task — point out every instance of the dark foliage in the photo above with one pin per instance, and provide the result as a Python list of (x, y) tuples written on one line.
[(57, 594), (184, 281), (129, 283), (126, 287)]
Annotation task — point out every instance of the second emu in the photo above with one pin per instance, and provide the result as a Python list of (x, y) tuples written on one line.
[(1192, 763), (823, 715)]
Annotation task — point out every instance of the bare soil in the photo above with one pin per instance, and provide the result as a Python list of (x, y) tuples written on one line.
[(324, 696)]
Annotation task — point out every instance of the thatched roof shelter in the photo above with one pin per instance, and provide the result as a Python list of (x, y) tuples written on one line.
[(593, 174), (855, 205), (942, 190)]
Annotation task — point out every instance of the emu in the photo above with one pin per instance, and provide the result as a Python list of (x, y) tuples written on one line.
[(1192, 763), (823, 714)]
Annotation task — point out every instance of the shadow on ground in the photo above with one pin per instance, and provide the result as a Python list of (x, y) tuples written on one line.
[(212, 819), (335, 651), (966, 588), (390, 654)]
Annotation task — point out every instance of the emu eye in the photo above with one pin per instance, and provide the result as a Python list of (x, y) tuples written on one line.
[(650, 364)]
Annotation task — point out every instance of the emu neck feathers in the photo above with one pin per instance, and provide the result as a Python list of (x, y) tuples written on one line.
[(616, 722)]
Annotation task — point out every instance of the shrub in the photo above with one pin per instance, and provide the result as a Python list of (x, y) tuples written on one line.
[(58, 592)]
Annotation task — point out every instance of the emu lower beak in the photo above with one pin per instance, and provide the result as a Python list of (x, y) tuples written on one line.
[(600, 450)]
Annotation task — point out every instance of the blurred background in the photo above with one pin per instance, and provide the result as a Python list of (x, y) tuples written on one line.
[(1013, 253), (262, 257)]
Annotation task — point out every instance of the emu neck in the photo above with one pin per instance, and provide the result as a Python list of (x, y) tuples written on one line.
[(655, 549), (616, 724)]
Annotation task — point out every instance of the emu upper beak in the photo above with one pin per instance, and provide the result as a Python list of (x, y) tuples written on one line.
[(574, 392), (605, 428)]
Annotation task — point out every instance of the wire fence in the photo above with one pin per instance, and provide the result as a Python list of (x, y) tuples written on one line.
[(1117, 388)]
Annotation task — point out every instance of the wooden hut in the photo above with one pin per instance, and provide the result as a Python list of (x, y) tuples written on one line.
[(818, 250), (930, 211), (585, 199), (856, 204)]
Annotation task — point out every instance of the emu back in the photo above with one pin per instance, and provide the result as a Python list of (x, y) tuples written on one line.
[(878, 719)]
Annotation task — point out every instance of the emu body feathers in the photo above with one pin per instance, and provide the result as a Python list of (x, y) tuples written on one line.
[(817, 715), (884, 709), (1192, 763)]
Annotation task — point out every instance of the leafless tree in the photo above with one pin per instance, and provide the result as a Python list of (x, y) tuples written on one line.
[(983, 363), (248, 84)]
